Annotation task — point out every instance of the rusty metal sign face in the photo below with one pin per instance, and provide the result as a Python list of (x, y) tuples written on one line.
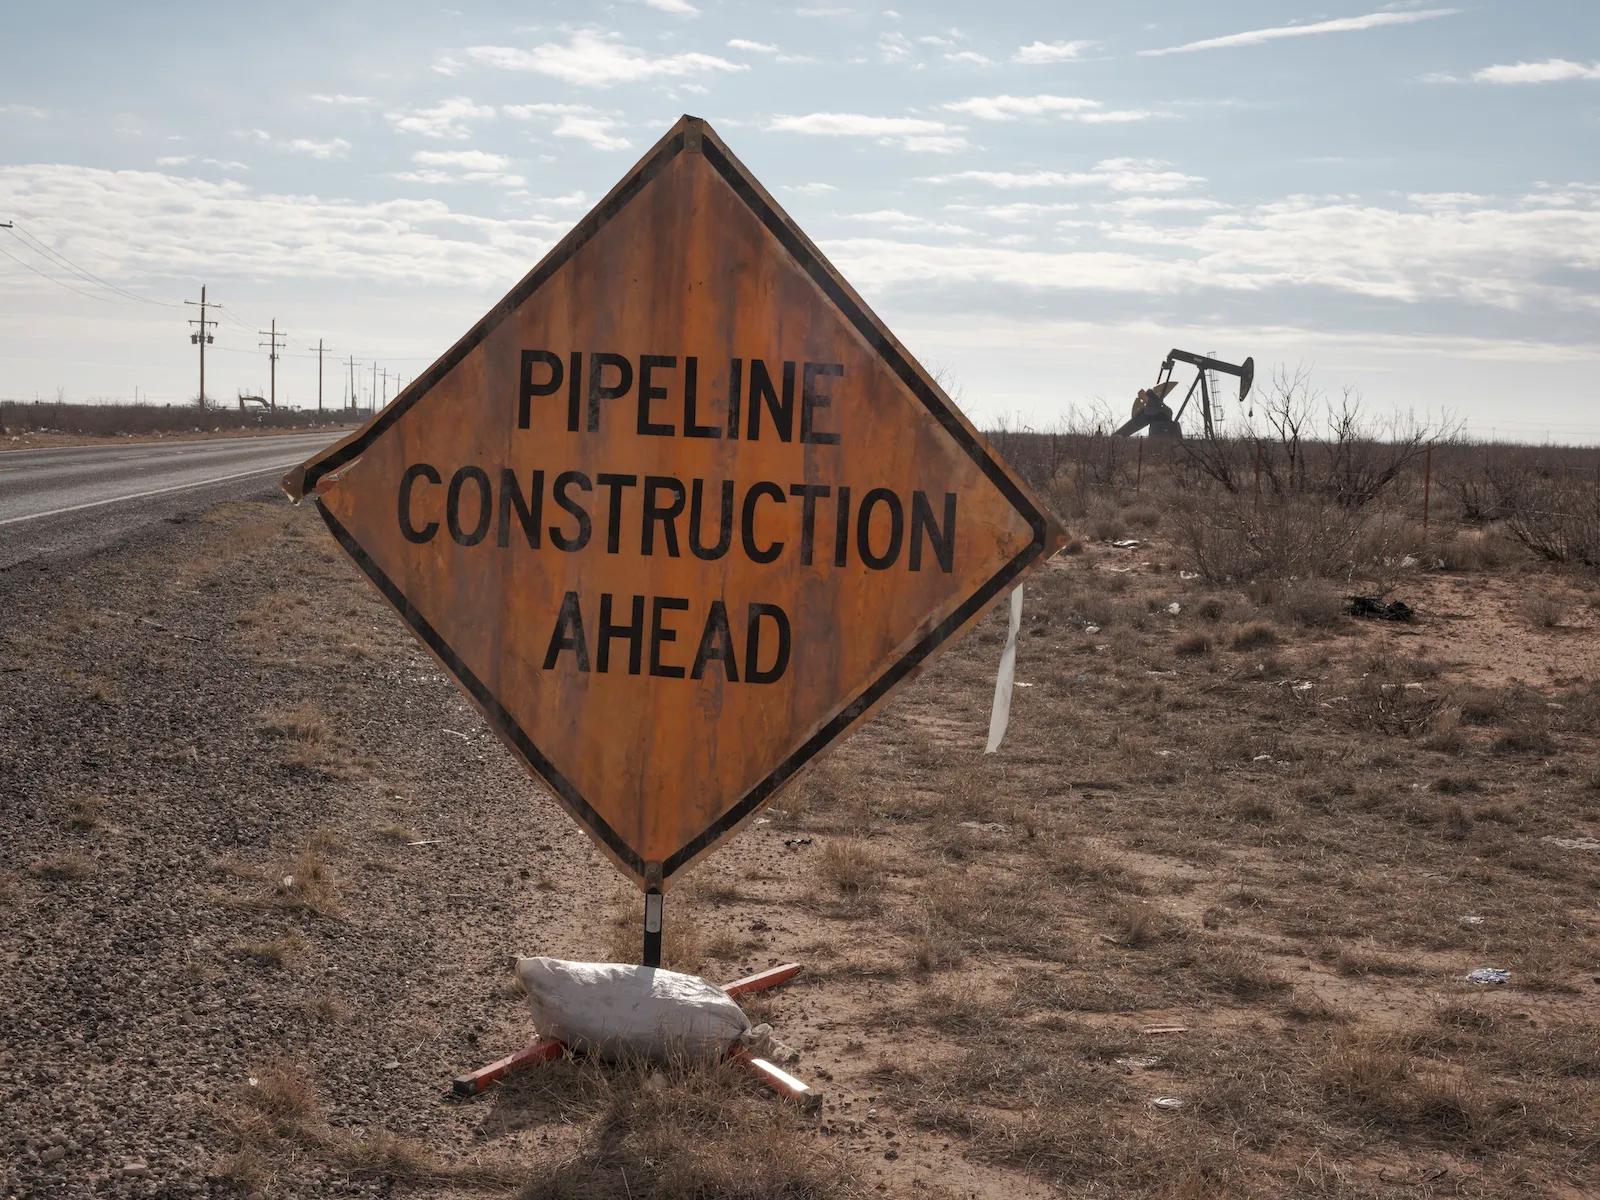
[(679, 511)]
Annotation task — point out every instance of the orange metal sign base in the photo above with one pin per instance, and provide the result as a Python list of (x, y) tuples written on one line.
[(769, 1074)]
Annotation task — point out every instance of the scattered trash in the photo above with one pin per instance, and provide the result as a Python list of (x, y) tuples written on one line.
[(1091, 629), (1138, 1062), (1127, 543), (1305, 685), (1377, 608), (985, 826), (1408, 562), (1577, 843), (1262, 758), (464, 737), (1161, 673), (797, 841), (1174, 608), (1489, 975), (1019, 683), (1472, 919), (1169, 1102), (1166, 1029), (424, 842), (1188, 574)]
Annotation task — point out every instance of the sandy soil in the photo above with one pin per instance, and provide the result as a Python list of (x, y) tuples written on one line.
[(262, 872)]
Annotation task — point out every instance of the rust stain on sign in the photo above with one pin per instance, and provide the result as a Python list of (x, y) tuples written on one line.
[(679, 511)]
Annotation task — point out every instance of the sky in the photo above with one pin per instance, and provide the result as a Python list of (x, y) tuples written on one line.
[(1039, 199)]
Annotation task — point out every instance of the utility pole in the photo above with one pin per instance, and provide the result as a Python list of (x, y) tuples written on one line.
[(273, 347), (386, 385), (373, 396), (351, 402), (319, 377), (202, 337)]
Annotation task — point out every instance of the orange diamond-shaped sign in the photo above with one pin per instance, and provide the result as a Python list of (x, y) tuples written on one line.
[(679, 511)]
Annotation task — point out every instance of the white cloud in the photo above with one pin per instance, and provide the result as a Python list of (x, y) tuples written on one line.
[(447, 119), (910, 133), (810, 189), (225, 164), (339, 99), (678, 8), (1140, 205), (750, 47), (1118, 174), (1051, 52), (894, 46), (576, 121), (904, 222), (1015, 213), (174, 160), (467, 160), (24, 110), (461, 166), (970, 57), (148, 224), (591, 58), (319, 148), (1553, 70), (1255, 37), (854, 125), (1008, 108), (1507, 257)]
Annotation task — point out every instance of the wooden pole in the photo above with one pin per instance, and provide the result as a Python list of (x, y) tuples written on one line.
[(1138, 471), (1427, 483)]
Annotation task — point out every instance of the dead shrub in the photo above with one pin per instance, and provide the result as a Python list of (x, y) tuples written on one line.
[(1542, 611), (1254, 636), (1192, 645)]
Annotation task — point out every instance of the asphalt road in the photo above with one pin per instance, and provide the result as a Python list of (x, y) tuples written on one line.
[(75, 499)]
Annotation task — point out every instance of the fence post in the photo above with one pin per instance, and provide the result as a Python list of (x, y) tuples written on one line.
[(1138, 472), (1258, 476), (1427, 484)]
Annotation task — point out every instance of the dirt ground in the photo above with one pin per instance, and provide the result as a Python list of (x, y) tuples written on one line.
[(1202, 928)]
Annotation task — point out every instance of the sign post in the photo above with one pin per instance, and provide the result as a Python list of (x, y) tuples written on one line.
[(678, 513)]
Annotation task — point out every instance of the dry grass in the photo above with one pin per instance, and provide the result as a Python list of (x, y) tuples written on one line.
[(309, 883), (86, 813), (679, 1133), (279, 952), (851, 866), (68, 866)]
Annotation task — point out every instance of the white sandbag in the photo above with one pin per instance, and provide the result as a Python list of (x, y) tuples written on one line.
[(619, 1011)]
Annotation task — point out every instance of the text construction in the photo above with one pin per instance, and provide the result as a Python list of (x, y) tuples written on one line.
[(501, 507)]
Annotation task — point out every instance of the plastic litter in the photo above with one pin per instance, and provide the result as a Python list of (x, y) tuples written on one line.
[(1126, 543), (1174, 608), (622, 1012), (1169, 1102), (1577, 843), (1472, 919), (1489, 975), (1376, 607)]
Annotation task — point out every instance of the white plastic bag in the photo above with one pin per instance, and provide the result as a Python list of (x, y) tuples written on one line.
[(619, 1011)]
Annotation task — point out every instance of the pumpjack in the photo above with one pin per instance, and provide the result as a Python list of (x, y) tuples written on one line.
[(1150, 408)]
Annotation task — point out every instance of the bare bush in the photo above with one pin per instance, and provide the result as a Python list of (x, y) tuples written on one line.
[(1559, 520)]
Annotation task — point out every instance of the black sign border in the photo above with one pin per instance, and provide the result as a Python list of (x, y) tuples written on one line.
[(693, 133)]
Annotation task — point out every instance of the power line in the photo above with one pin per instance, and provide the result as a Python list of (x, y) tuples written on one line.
[(59, 283), (39, 246)]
